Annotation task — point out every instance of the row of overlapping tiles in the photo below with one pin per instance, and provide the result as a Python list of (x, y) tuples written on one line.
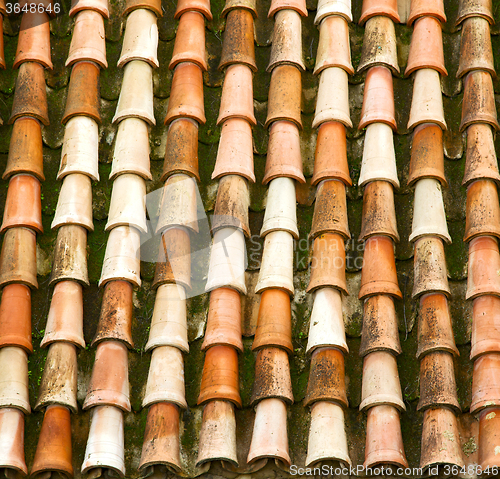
[(108, 391)]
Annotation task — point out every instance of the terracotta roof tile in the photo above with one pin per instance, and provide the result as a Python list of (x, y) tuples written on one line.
[(30, 98), (327, 377), (161, 438), (379, 214), (437, 382), (12, 435), (58, 384), (14, 385), (485, 333), (421, 8), (105, 444), (186, 96), (237, 95), (430, 267), (283, 153), (100, 6), (280, 211), (480, 157), (333, 7), (478, 104), (23, 207), (483, 210), (330, 160), (427, 156), (238, 45), (330, 210), (54, 451), (427, 101), (484, 264), (372, 8), (435, 331), (485, 387), (475, 8), (379, 45), (378, 275), (380, 326), (34, 40), (426, 48), (18, 257), (333, 47), (380, 383), (488, 434), (384, 442), (440, 439), (285, 95), (250, 5), (83, 92), (140, 41), (183, 6), (220, 376), (15, 317)]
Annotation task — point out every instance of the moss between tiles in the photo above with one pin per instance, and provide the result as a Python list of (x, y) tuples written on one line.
[(298, 416)]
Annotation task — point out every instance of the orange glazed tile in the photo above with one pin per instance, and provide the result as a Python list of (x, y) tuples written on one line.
[(232, 204), (482, 210), (23, 207), (435, 332), (440, 439), (174, 260), (34, 40), (326, 377), (25, 149), (237, 95), (30, 98), (238, 45), (330, 159), (328, 263), (384, 441), (480, 157), (379, 213), (18, 257), (224, 319), (190, 41), (115, 320), (220, 376), (58, 384), (183, 6), (484, 265), (430, 273), (83, 92), (272, 376), (109, 382), (427, 154), (378, 99), (274, 323), (475, 8), (372, 8), (485, 326), (161, 444), (181, 152), (15, 317), (379, 45), (54, 451), (485, 382), (476, 52), (378, 275), (285, 95), (334, 49), (422, 8), (437, 382), (380, 326), (186, 94), (330, 210), (426, 48), (283, 153), (478, 104)]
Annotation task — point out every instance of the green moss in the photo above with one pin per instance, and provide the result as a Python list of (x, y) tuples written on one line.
[(246, 372)]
